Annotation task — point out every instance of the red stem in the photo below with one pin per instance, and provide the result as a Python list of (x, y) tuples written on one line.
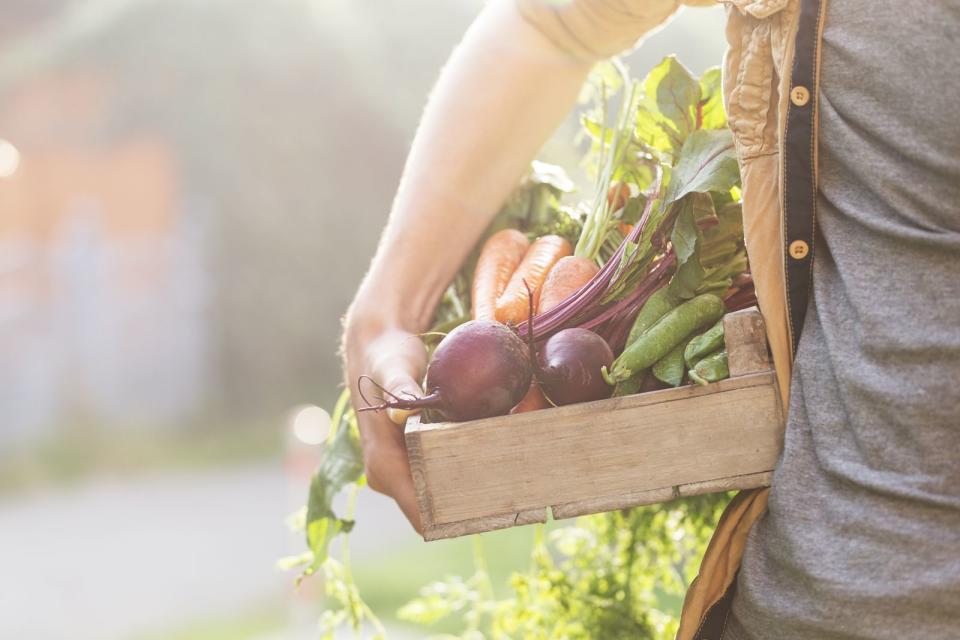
[(431, 401), (563, 314)]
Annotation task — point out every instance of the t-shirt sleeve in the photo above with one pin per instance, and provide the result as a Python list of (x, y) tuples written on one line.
[(597, 29)]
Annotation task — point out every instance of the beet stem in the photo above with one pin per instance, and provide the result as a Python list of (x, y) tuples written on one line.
[(374, 383), (426, 402), (574, 305)]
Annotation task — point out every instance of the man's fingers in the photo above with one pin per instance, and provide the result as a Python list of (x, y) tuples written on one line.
[(388, 472), (406, 497), (398, 371), (395, 361)]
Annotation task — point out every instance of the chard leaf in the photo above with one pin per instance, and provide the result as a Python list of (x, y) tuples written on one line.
[(687, 279), (675, 93), (707, 162), (686, 235), (342, 465), (653, 131), (687, 239), (703, 206), (710, 108)]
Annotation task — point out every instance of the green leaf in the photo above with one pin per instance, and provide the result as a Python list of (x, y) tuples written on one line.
[(703, 206), (687, 279), (707, 162), (675, 92), (629, 253), (687, 240), (653, 131), (710, 107), (342, 465), (634, 209), (686, 235), (606, 77)]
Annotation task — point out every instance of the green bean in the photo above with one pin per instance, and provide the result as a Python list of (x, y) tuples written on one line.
[(667, 333), (670, 368), (704, 344), (628, 387), (656, 306), (711, 369)]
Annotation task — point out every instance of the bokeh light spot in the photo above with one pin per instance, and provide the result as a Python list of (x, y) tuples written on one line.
[(311, 424), (9, 159)]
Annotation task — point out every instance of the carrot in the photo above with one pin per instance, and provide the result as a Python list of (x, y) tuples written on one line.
[(568, 275), (513, 305), (533, 401), (499, 258), (617, 195)]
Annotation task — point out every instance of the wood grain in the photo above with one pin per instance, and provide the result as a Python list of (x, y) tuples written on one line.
[(654, 496), (486, 523), (595, 451), (746, 340)]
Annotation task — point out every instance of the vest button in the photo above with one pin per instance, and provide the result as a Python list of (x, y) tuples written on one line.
[(799, 95), (799, 249)]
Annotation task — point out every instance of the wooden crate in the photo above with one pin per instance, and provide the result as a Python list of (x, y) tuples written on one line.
[(599, 456)]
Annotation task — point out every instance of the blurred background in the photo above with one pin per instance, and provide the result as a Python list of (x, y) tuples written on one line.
[(189, 194)]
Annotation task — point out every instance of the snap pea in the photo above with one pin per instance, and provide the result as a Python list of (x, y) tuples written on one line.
[(628, 387), (704, 344), (656, 306), (670, 368), (711, 369), (667, 333)]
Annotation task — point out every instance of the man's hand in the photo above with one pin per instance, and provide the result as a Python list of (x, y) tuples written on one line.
[(395, 359)]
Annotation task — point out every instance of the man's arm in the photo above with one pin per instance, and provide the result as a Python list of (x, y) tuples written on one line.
[(505, 89), (503, 92)]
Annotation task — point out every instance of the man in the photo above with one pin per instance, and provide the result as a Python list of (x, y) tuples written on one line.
[(843, 114)]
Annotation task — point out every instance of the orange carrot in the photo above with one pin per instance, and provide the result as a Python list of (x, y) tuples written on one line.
[(499, 258), (617, 195), (533, 401), (513, 305), (568, 275)]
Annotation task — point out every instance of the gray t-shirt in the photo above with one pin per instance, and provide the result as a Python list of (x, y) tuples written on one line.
[(862, 535)]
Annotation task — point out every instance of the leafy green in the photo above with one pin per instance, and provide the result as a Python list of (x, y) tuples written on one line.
[(687, 239), (668, 111), (600, 222), (686, 236), (707, 162), (614, 575), (341, 466), (676, 94), (710, 108)]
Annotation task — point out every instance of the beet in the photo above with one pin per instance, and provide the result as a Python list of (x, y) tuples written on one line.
[(570, 363), (479, 370)]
